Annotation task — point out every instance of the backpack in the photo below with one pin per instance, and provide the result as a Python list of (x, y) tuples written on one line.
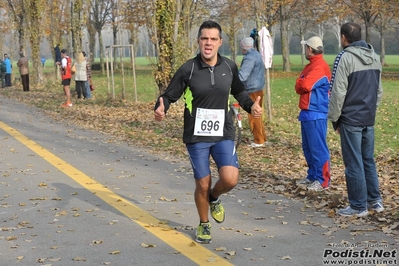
[(2, 66)]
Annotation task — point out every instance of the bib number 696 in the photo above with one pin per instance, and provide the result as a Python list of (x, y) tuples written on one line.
[(209, 122), (210, 125)]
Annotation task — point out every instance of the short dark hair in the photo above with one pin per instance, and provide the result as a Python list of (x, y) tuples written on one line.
[(314, 51), (63, 51), (351, 31), (84, 53), (209, 24)]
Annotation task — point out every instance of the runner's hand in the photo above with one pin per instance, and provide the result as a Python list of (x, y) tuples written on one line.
[(256, 110), (160, 111)]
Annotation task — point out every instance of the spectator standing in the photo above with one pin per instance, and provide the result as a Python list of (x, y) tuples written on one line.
[(80, 76), (356, 92), (206, 82), (2, 73), (313, 87), (252, 74), (43, 60), (57, 53), (88, 73), (66, 76), (23, 65), (8, 64)]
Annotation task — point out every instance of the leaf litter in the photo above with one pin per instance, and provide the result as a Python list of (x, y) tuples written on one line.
[(276, 171)]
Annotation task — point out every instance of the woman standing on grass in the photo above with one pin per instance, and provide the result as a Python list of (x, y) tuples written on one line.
[(81, 75)]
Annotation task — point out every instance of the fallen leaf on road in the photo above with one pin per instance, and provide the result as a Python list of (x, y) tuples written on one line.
[(165, 199), (144, 245), (79, 259), (115, 252), (231, 253)]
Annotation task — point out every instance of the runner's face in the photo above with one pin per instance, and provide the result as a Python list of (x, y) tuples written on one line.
[(209, 43)]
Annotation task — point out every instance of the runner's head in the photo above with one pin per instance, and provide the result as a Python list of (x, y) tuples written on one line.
[(209, 41)]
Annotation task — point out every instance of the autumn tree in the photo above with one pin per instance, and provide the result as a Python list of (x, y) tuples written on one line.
[(77, 25), (164, 21), (116, 20), (99, 14), (189, 13), (266, 13), (310, 17), (17, 13), (388, 12), (367, 10), (91, 32), (34, 16), (282, 12), (232, 14), (57, 13)]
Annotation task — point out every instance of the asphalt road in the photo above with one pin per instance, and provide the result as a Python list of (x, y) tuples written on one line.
[(70, 196)]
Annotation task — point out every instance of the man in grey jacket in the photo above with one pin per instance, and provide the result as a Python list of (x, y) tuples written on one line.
[(252, 74), (356, 92)]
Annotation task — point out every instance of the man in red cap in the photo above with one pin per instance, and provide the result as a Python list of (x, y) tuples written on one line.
[(313, 87)]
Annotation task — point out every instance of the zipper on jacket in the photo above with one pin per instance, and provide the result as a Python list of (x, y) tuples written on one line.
[(212, 75)]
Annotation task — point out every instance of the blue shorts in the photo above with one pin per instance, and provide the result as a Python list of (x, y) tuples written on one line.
[(222, 152)]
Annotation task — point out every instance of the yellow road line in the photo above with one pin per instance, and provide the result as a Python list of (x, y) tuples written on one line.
[(175, 239)]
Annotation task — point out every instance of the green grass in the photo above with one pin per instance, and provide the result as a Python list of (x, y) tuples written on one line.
[(284, 99)]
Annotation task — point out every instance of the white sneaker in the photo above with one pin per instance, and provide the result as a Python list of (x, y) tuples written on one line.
[(315, 186), (256, 145), (348, 211), (304, 181), (377, 207)]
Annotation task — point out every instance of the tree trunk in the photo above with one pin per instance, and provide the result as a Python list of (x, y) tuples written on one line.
[(21, 34), (101, 48), (232, 39), (116, 52), (303, 51), (35, 36), (382, 55), (92, 43), (285, 41)]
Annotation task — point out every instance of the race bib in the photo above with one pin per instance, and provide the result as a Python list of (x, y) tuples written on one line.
[(209, 122)]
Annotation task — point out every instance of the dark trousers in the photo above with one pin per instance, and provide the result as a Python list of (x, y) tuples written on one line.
[(81, 89), (25, 82), (8, 80), (3, 82)]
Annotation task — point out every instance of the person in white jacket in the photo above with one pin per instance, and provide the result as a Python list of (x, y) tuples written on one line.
[(81, 76)]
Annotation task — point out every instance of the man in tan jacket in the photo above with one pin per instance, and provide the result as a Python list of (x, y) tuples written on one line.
[(23, 65)]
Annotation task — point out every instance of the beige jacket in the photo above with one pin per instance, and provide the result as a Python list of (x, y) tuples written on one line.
[(23, 65)]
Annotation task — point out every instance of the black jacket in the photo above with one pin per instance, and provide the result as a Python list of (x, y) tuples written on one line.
[(204, 87)]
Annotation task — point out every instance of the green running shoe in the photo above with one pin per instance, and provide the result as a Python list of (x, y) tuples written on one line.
[(203, 234), (217, 211)]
